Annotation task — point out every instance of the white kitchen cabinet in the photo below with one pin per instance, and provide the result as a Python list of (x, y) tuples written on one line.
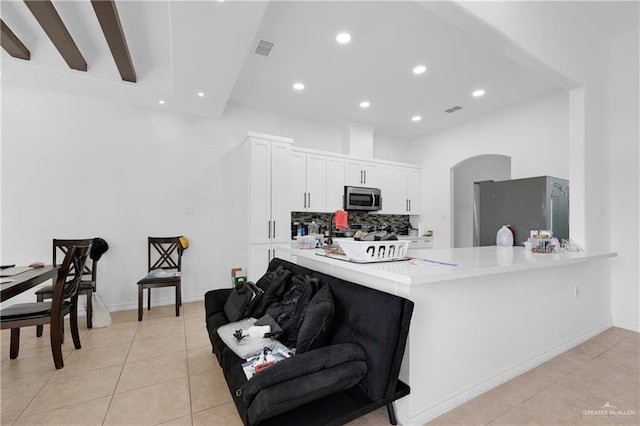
[(261, 254), (414, 190), (308, 182), (387, 189), (406, 183), (269, 213), (266, 164), (361, 173), (335, 184)]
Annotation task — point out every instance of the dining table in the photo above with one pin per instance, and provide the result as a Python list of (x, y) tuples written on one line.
[(19, 279)]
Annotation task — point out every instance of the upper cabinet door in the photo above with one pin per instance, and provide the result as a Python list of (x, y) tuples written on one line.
[(387, 189), (335, 184), (260, 191), (400, 188), (414, 190), (361, 173), (280, 192), (353, 173), (298, 181), (316, 178)]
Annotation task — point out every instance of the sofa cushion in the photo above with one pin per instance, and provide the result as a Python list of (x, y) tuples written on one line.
[(317, 321)]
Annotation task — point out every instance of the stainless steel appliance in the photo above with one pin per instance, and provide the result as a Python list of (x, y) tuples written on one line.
[(525, 204), (359, 198)]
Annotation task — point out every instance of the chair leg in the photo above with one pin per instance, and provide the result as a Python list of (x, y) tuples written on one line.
[(89, 309), (57, 335), (149, 298), (178, 300), (15, 343), (140, 295), (391, 410), (61, 331), (74, 324), (39, 328)]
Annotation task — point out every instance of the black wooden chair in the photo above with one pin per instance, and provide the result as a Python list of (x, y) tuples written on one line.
[(88, 277), (64, 301), (164, 270)]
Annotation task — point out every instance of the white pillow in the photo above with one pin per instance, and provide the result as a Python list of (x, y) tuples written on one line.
[(247, 347)]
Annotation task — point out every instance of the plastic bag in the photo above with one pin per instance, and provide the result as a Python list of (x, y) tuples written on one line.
[(101, 316)]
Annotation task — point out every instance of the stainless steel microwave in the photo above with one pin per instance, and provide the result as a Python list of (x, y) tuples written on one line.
[(360, 198)]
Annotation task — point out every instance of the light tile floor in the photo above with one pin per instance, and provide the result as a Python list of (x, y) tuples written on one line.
[(161, 372), (577, 387)]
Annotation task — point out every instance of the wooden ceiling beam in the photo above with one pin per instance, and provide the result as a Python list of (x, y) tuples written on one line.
[(12, 44), (50, 21), (107, 15)]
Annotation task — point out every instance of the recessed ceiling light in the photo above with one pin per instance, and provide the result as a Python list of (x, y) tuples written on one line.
[(343, 38), (416, 118), (477, 93), (419, 69), (201, 94), (161, 102), (365, 104), (298, 86)]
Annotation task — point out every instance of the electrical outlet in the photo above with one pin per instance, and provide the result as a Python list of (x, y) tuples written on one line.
[(576, 291)]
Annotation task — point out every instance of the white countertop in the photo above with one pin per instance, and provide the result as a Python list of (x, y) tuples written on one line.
[(470, 262)]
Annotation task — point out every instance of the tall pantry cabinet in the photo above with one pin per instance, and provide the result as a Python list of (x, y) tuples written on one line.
[(265, 166)]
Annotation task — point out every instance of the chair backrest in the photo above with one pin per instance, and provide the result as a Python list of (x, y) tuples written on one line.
[(67, 283), (164, 253), (61, 248)]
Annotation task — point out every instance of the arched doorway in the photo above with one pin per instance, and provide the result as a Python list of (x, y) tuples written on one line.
[(463, 176)]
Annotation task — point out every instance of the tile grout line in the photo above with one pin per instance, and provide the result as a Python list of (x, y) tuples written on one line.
[(186, 351), (106, 412), (556, 381)]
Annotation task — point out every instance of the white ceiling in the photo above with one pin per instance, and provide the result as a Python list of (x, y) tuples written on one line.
[(181, 48)]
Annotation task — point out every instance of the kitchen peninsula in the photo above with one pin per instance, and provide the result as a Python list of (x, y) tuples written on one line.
[(482, 316)]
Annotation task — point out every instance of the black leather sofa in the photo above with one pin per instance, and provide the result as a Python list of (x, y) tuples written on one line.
[(354, 373)]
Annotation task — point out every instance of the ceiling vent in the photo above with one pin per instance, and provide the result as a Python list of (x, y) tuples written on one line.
[(453, 109), (264, 47)]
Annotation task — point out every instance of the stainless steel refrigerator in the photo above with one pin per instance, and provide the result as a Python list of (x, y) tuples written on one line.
[(525, 204)]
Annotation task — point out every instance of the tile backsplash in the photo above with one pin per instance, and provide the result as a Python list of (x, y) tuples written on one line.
[(400, 223)]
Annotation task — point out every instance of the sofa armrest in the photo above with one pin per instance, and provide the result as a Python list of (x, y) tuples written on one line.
[(300, 366), (214, 301)]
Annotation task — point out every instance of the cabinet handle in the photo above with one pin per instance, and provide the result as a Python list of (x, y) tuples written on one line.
[(309, 203), (365, 177), (269, 227), (274, 229), (304, 198), (268, 256), (360, 175), (409, 204)]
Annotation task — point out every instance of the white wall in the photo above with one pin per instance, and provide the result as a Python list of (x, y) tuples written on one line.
[(555, 37), (75, 167), (392, 149), (622, 138), (534, 134)]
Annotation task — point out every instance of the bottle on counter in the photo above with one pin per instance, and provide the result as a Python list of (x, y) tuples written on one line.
[(504, 237)]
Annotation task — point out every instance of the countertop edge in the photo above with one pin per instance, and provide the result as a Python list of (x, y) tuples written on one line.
[(426, 276)]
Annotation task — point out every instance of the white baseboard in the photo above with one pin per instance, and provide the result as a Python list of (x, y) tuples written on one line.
[(444, 406), (627, 325), (161, 302)]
